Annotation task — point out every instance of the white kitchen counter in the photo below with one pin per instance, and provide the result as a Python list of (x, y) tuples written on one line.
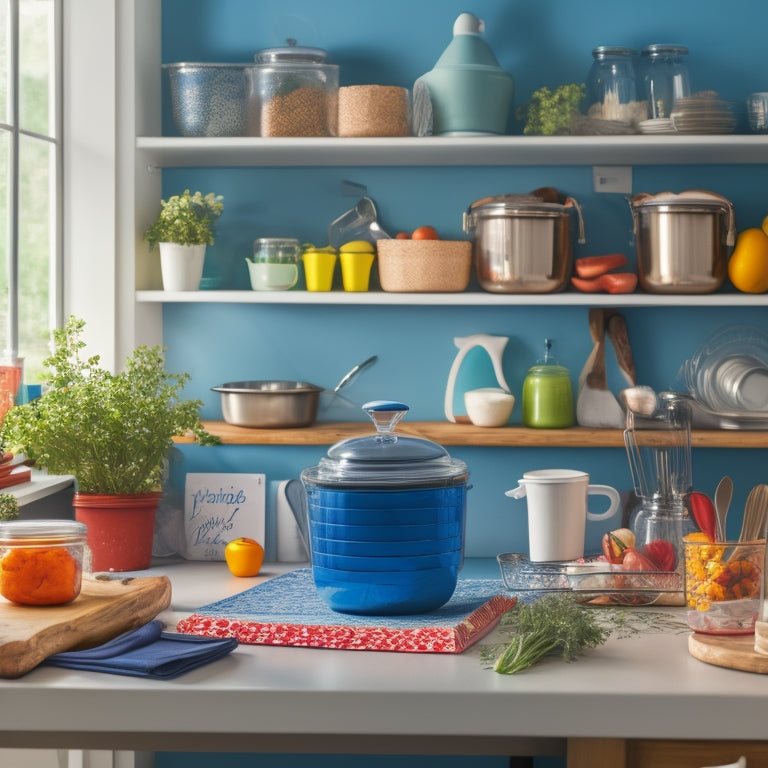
[(266, 698)]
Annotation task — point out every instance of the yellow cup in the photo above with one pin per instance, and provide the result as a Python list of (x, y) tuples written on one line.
[(318, 269), (356, 270)]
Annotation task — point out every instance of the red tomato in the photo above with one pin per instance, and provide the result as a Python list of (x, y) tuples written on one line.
[(661, 552), (425, 233), (594, 266), (402, 236)]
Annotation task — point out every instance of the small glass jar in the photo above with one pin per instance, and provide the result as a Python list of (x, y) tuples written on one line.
[(42, 561), (547, 394), (665, 77), (612, 88), (275, 263), (295, 91)]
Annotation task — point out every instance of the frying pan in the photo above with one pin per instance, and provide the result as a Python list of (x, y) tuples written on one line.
[(276, 403)]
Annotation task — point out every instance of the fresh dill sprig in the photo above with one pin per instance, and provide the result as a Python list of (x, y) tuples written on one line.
[(555, 624)]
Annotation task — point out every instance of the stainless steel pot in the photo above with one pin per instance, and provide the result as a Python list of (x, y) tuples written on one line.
[(276, 404), (683, 241), (522, 244)]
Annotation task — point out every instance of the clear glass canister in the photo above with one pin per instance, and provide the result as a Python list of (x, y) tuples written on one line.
[(42, 561), (295, 91), (275, 263), (547, 394), (665, 77), (612, 86)]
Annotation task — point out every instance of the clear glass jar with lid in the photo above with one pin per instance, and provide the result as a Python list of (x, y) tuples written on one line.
[(294, 92), (547, 394), (274, 265), (612, 86), (665, 77)]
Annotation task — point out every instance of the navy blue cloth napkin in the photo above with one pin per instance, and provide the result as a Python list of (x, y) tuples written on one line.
[(147, 652)]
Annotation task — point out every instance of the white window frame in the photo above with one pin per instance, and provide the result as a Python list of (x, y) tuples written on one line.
[(111, 95)]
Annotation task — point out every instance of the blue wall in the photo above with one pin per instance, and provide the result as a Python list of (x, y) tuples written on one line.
[(546, 42)]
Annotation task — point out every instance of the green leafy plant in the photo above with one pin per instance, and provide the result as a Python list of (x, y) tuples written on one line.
[(548, 113), (111, 431), (187, 219), (552, 625), (9, 506)]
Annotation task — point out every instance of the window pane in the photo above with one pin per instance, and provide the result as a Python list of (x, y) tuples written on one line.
[(5, 61), (5, 214), (37, 234), (36, 64)]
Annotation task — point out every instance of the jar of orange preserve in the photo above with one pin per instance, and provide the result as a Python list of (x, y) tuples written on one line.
[(41, 561)]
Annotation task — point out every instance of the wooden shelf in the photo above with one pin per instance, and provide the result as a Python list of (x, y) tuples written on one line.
[(447, 433)]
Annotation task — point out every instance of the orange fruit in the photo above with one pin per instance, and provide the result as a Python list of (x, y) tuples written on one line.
[(748, 265), (244, 556), (425, 233)]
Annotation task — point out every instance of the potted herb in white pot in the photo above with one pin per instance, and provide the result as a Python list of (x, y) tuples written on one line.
[(182, 230), (112, 432)]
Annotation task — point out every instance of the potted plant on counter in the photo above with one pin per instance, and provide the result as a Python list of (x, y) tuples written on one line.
[(182, 230), (112, 432)]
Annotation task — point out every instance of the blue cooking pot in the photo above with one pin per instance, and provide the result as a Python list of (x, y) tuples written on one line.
[(387, 483)]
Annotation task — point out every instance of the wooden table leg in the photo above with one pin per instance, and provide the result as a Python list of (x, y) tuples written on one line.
[(596, 753)]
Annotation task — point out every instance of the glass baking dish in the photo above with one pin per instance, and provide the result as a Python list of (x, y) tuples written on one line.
[(591, 580)]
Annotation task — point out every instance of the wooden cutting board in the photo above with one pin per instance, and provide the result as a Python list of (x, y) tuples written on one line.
[(732, 651), (104, 609)]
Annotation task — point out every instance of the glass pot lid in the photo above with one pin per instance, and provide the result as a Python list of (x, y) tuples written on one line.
[(386, 458), (291, 54)]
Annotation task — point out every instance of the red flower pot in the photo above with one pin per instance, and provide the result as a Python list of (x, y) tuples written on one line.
[(120, 529)]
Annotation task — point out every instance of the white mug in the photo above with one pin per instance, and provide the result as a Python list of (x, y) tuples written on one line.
[(557, 511)]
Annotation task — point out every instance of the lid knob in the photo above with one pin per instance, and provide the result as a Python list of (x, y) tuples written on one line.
[(386, 414)]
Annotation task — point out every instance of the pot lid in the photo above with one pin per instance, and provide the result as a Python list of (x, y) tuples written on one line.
[(386, 458), (689, 199), (291, 54)]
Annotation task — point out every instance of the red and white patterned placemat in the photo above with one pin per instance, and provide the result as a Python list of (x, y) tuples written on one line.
[(287, 610)]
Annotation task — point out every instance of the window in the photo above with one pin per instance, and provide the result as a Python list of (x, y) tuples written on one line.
[(30, 178)]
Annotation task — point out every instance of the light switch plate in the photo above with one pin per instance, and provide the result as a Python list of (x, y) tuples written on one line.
[(612, 178)]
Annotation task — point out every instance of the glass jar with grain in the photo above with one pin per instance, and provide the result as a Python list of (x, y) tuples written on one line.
[(294, 92)]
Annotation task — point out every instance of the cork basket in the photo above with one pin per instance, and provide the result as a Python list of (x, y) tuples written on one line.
[(424, 266)]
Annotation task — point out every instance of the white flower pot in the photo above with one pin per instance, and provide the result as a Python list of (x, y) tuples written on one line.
[(181, 266)]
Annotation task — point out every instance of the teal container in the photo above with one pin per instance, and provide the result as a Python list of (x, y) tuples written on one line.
[(469, 92)]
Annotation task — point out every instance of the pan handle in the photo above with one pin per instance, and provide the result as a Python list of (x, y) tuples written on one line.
[(351, 375)]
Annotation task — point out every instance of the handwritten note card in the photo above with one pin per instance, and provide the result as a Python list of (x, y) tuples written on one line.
[(219, 508)]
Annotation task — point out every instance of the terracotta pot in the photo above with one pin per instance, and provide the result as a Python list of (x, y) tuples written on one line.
[(120, 529)]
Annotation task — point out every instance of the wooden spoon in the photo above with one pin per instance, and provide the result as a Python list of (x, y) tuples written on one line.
[(755, 514)]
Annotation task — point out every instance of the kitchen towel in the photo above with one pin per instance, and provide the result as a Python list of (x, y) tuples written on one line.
[(146, 652), (287, 610)]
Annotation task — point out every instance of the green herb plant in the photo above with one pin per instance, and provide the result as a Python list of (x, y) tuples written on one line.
[(187, 219), (111, 431), (549, 113), (9, 506), (552, 625)]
